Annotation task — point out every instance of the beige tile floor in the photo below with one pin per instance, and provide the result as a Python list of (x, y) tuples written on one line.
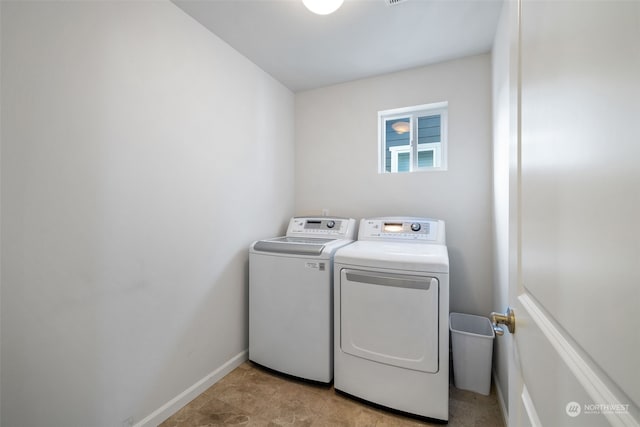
[(253, 396)]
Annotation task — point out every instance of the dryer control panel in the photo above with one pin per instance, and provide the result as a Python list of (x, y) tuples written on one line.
[(424, 230), (338, 228)]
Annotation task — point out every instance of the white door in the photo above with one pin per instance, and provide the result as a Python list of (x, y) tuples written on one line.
[(575, 282)]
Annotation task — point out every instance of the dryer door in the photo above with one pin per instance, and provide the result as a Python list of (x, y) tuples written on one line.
[(390, 318)]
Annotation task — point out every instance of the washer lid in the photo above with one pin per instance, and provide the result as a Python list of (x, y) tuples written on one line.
[(292, 245), (396, 255)]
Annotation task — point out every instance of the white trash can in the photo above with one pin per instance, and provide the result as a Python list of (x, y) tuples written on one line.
[(472, 346)]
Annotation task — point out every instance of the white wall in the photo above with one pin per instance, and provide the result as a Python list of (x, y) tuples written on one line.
[(337, 155), (504, 62), (140, 157)]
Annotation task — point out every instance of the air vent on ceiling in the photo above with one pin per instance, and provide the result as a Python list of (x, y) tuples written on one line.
[(393, 2)]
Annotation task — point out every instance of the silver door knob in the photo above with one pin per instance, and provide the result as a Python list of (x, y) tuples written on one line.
[(508, 319)]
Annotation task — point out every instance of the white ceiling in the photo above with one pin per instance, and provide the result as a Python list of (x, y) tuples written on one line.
[(362, 39)]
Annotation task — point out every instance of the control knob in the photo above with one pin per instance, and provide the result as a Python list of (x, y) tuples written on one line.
[(415, 226), (331, 224)]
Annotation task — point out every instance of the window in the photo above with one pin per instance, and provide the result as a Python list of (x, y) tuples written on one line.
[(413, 139)]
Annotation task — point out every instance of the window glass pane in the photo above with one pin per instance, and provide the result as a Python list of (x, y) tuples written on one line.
[(425, 159), (403, 162), (397, 133), (428, 129)]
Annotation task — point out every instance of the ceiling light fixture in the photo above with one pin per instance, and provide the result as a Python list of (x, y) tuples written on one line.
[(323, 7), (400, 127)]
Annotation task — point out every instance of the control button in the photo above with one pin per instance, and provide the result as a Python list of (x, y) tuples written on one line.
[(331, 224), (415, 226)]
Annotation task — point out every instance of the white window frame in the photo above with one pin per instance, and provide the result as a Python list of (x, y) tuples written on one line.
[(435, 147), (412, 113)]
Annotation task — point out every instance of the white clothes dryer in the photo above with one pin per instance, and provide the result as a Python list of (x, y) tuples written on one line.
[(291, 297), (391, 308)]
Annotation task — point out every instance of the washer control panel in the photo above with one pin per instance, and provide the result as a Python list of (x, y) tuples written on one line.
[(339, 228), (402, 229)]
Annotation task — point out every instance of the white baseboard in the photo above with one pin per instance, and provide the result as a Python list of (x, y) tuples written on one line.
[(501, 402), (172, 406)]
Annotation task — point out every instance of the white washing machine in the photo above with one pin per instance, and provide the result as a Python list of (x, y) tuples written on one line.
[(291, 297), (391, 308)]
